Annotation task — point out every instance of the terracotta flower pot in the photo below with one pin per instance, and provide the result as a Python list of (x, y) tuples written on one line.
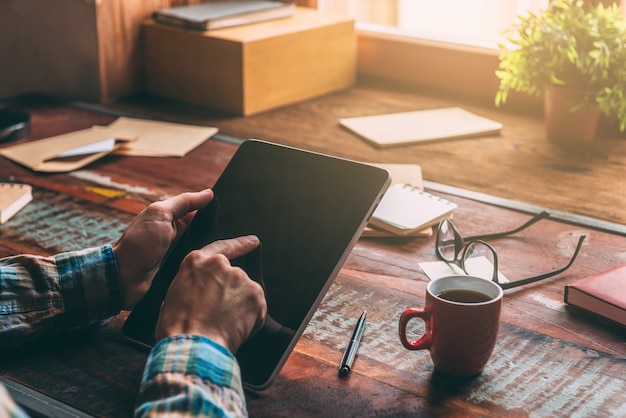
[(563, 124)]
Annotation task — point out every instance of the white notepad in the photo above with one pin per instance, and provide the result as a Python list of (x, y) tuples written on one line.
[(405, 209), (400, 174), (420, 126)]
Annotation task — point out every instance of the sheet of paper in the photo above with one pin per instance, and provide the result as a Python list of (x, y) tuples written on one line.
[(475, 266), (404, 173), (156, 138)]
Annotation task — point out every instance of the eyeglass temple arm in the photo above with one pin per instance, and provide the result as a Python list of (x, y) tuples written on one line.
[(522, 282), (542, 215)]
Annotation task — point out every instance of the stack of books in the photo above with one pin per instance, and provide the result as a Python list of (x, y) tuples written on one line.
[(223, 14)]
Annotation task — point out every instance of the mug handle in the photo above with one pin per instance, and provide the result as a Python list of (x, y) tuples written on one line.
[(425, 341)]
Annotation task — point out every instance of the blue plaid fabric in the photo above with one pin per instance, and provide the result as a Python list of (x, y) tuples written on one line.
[(200, 378), (44, 295), (39, 296)]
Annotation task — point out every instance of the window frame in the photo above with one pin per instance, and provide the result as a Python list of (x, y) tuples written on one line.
[(455, 69)]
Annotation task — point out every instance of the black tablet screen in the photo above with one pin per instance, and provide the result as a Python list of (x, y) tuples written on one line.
[(308, 210)]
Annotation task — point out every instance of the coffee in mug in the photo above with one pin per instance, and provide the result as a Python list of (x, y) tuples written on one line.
[(462, 318)]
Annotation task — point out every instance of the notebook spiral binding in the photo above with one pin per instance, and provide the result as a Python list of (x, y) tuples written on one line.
[(426, 194), (406, 209), (13, 197)]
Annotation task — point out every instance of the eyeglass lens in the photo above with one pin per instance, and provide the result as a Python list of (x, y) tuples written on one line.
[(446, 241), (453, 248)]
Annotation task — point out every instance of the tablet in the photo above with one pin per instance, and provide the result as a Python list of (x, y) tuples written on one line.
[(308, 210)]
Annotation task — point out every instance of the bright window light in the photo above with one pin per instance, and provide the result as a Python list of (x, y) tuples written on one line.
[(471, 22)]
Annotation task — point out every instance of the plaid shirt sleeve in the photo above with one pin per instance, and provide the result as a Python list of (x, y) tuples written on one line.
[(42, 296), (189, 376)]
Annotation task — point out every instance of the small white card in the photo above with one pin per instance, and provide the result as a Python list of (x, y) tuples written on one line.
[(475, 266), (106, 145)]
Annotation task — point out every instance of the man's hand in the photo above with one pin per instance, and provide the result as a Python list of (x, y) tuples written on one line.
[(210, 297), (142, 248)]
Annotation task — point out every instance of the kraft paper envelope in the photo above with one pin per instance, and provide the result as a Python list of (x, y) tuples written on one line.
[(158, 139), (63, 153)]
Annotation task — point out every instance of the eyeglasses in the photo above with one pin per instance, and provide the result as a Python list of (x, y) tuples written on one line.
[(453, 248)]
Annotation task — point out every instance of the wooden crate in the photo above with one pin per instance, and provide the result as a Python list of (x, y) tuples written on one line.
[(252, 68)]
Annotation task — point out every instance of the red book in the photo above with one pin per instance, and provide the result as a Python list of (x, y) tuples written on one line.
[(603, 293)]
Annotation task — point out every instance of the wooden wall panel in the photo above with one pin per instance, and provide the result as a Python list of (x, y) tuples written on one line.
[(81, 49)]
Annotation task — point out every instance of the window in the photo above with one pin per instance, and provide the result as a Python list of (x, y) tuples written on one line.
[(476, 22), (449, 46)]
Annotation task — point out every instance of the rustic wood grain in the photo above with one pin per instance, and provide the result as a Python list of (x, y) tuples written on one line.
[(89, 50), (549, 360), (520, 164)]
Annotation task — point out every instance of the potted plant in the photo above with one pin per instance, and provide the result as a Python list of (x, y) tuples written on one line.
[(574, 52)]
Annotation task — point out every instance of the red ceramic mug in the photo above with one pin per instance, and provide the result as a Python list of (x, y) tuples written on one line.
[(462, 317)]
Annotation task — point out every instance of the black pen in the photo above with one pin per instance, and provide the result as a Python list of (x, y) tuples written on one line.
[(353, 346)]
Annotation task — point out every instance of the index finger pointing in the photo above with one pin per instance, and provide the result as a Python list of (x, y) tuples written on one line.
[(234, 247)]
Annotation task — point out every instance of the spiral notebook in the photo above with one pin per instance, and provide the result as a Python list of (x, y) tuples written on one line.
[(405, 209), (400, 174), (13, 197)]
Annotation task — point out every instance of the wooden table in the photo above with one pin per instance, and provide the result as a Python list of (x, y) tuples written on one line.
[(549, 360), (520, 164)]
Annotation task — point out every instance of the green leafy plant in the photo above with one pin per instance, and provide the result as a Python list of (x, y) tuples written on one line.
[(569, 44)]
